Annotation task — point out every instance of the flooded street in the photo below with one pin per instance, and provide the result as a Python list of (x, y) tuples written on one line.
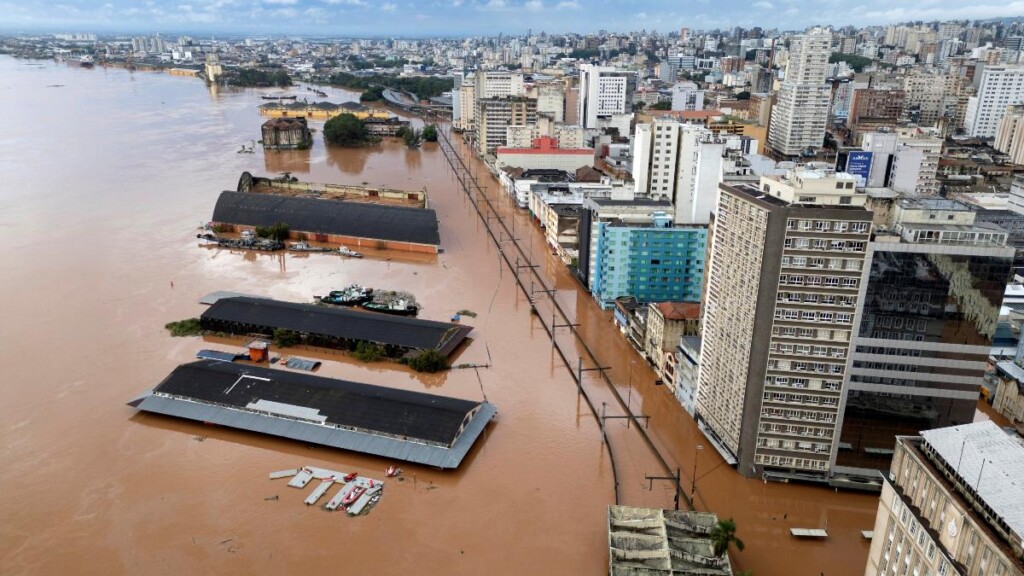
[(106, 176)]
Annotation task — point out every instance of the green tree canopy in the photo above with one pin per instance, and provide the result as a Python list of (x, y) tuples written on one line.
[(430, 133), (858, 63), (346, 130)]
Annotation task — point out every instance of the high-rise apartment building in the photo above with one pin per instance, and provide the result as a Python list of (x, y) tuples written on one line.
[(951, 505), (603, 92), (681, 163), (999, 87), (929, 309), (495, 115), (931, 96), (1010, 134), (499, 84), (785, 269), (799, 117), (467, 104)]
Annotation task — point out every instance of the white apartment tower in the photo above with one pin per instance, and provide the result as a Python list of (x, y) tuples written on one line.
[(798, 120), (681, 163), (604, 91), (782, 291), (499, 84), (999, 87)]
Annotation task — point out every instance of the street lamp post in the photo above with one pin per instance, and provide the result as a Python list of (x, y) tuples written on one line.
[(693, 478)]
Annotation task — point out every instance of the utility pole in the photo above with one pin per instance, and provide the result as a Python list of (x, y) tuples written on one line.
[(580, 370), (675, 480), (693, 483)]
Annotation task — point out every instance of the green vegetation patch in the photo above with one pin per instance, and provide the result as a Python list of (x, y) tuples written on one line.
[(188, 327), (347, 130), (428, 361)]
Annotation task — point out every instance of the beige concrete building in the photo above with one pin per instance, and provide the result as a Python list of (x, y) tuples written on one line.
[(782, 293), (932, 96), (495, 115), (667, 322), (1010, 134), (951, 505)]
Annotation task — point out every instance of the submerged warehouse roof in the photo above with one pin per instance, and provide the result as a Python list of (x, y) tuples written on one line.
[(338, 323), (411, 426), (337, 217)]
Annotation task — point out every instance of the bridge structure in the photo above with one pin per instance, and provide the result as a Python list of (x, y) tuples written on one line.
[(409, 102)]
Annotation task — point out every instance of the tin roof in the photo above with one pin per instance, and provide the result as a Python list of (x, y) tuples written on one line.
[(988, 461), (343, 323), (357, 219), (410, 426)]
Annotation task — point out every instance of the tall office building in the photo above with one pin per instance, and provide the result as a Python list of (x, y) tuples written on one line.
[(681, 163), (786, 265), (499, 84), (999, 87), (604, 91), (495, 115), (799, 117), (467, 105), (951, 505), (929, 308)]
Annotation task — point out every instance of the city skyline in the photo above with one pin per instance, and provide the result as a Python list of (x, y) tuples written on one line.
[(361, 18)]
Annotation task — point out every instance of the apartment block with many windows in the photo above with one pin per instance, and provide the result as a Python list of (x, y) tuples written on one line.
[(782, 293)]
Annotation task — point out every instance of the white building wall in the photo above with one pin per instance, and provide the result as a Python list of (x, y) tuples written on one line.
[(999, 87), (562, 161)]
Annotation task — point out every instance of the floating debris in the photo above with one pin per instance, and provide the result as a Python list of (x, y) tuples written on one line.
[(358, 495)]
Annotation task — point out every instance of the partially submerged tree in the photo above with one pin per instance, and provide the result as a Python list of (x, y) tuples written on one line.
[(724, 534)]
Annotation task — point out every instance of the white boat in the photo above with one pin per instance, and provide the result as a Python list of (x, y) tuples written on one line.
[(86, 60), (347, 252)]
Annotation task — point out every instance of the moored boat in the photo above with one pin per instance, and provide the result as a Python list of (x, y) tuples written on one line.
[(305, 247), (352, 496), (353, 295), (348, 252), (86, 61), (399, 307)]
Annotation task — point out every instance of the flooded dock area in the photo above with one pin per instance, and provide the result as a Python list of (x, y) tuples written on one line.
[(144, 156)]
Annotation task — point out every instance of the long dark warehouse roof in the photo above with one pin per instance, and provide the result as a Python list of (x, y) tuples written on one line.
[(358, 219), (339, 323), (412, 426)]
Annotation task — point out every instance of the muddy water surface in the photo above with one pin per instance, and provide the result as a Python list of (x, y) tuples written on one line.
[(104, 182)]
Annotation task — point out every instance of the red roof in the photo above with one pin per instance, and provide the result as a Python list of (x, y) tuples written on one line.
[(679, 310)]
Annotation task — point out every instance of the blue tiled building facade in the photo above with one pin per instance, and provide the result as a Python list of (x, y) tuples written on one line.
[(652, 263)]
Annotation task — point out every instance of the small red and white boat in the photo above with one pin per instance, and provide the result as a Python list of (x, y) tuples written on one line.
[(352, 496), (393, 471), (350, 477)]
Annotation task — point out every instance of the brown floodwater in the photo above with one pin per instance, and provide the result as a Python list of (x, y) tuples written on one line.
[(105, 180)]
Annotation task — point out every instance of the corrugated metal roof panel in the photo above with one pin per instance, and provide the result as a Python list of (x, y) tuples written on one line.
[(358, 219)]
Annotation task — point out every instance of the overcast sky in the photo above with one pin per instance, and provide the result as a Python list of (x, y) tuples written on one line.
[(473, 17)]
